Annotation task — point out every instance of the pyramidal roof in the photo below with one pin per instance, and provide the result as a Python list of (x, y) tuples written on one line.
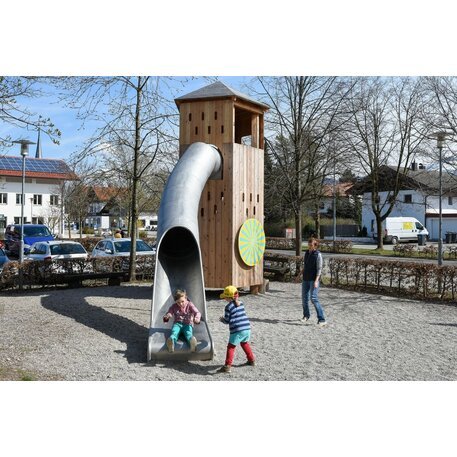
[(217, 90)]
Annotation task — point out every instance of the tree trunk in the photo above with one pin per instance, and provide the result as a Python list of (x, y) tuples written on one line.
[(298, 230), (317, 221), (379, 231), (136, 153)]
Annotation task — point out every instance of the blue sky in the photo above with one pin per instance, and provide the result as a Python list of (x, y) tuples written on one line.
[(73, 132)]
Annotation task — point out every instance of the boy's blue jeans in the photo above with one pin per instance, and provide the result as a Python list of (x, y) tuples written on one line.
[(309, 291), (185, 330)]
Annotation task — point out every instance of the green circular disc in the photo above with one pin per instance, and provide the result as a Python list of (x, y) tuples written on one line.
[(251, 242)]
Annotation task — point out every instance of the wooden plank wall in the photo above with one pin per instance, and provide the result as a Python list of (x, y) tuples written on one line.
[(209, 121), (222, 208), (248, 182)]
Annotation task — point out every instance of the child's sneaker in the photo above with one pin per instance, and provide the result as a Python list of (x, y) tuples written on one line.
[(251, 362), (225, 369), (322, 323), (304, 319), (193, 344), (170, 345)]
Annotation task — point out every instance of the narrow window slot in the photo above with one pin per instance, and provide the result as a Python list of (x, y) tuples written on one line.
[(190, 116), (202, 212), (196, 130), (222, 129), (209, 196), (215, 115), (209, 130), (203, 116)]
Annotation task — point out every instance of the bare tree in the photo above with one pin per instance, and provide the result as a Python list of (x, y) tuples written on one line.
[(387, 129), (15, 91), (136, 117), (304, 111)]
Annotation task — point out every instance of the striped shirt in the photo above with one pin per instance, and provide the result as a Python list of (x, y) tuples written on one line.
[(236, 317)]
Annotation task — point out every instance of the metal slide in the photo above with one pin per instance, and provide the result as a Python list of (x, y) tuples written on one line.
[(178, 257)]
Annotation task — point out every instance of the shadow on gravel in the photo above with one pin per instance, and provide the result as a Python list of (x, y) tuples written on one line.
[(278, 321), (186, 367), (135, 336), (443, 324)]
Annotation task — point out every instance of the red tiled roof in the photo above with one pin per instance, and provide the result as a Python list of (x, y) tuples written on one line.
[(106, 193), (341, 189), (38, 174)]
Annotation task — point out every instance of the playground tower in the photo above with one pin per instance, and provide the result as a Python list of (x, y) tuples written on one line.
[(232, 121)]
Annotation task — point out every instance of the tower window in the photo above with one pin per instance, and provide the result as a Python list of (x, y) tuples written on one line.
[(215, 115), (209, 129), (215, 209), (190, 116), (242, 197), (203, 116), (196, 130), (258, 198), (202, 212), (209, 196), (222, 196), (222, 129)]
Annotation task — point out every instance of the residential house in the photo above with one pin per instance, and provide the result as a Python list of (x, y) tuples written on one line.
[(418, 197), (341, 190), (109, 208), (42, 191)]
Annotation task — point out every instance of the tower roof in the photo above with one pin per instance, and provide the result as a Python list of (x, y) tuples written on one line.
[(218, 90)]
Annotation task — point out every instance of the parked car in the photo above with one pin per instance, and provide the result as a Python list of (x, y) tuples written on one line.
[(398, 229), (121, 246), (32, 234), (54, 250), (3, 259)]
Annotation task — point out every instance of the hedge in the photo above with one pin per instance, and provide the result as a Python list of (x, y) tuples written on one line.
[(73, 271), (413, 279)]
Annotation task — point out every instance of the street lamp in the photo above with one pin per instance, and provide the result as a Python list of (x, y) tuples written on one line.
[(24, 153), (440, 137)]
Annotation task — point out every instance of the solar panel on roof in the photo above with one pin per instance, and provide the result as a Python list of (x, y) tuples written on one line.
[(33, 164)]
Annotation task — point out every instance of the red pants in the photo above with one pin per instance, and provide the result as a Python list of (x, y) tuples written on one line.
[(231, 352)]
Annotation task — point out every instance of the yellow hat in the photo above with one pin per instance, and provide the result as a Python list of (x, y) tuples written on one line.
[(229, 292)]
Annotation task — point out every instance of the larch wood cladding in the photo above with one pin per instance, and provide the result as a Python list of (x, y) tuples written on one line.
[(227, 203)]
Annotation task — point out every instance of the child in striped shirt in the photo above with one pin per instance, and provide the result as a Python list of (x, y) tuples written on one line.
[(240, 328)]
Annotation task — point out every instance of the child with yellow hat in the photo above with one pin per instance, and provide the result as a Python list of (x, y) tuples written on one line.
[(239, 325)]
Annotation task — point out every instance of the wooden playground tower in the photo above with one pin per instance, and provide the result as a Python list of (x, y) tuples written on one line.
[(219, 115)]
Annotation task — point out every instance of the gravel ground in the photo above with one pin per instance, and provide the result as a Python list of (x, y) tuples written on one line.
[(101, 333)]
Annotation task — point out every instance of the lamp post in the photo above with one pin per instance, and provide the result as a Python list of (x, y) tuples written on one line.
[(24, 153), (440, 137)]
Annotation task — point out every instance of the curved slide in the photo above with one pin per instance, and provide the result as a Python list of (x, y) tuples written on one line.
[(178, 257)]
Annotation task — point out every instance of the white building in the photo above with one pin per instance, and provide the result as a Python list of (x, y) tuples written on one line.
[(42, 191), (419, 198)]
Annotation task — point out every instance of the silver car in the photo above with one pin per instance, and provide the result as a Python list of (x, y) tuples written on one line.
[(121, 247), (55, 250)]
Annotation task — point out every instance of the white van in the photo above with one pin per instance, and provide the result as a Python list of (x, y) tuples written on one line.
[(398, 229)]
